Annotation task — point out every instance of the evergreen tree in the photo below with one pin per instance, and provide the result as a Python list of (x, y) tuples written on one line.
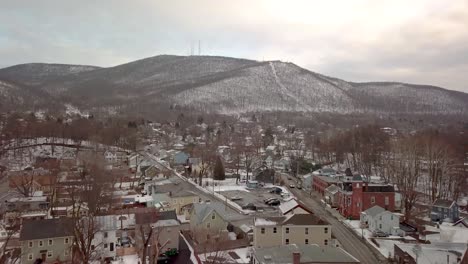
[(218, 170)]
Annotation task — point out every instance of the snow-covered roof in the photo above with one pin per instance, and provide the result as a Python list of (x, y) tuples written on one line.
[(272, 221), (288, 206)]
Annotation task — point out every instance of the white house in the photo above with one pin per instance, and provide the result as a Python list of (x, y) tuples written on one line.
[(378, 219), (105, 240)]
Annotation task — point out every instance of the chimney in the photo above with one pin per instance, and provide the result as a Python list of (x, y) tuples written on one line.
[(296, 258)]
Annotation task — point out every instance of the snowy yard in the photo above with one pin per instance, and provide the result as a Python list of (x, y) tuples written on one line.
[(385, 246)]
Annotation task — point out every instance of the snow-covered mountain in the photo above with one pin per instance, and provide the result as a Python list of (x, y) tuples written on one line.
[(219, 84)]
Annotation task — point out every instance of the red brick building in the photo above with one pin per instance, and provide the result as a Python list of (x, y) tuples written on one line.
[(320, 183), (356, 197)]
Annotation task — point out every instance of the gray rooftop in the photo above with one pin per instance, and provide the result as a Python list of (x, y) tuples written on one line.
[(375, 210), (204, 209), (46, 228), (309, 253), (443, 203)]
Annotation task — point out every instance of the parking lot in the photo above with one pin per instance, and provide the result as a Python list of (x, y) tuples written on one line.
[(253, 196)]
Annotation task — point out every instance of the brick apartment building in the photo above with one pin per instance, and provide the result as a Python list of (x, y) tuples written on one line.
[(355, 197)]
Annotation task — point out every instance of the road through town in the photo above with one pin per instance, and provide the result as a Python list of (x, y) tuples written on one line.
[(350, 241)]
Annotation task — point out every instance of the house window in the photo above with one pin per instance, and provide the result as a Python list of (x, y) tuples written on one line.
[(391, 217), (325, 230), (213, 216), (380, 218), (111, 247), (66, 252), (30, 256), (30, 244), (372, 200), (208, 225), (41, 243), (274, 230), (262, 230), (306, 231), (287, 241), (105, 234), (49, 254), (380, 226), (387, 201), (51, 242), (105, 245), (358, 205), (307, 241), (66, 240), (287, 230), (325, 242)]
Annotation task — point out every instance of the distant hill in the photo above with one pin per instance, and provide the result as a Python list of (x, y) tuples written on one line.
[(216, 85)]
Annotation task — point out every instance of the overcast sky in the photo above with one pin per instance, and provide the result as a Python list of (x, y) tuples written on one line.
[(412, 41)]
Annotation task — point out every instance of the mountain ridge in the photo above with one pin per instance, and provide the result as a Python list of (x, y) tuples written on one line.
[(223, 85)]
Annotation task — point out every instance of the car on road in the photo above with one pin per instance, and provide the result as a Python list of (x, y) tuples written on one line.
[(299, 186), (378, 233), (236, 198), (292, 186), (250, 206), (289, 178)]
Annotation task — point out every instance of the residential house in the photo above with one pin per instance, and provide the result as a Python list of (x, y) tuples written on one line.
[(162, 227), (106, 239), (31, 182), (21, 208), (300, 229), (451, 253), (180, 158), (293, 207), (444, 210), (307, 181), (320, 183), (378, 219), (358, 196), (175, 195), (302, 254), (332, 195), (207, 221), (50, 240)]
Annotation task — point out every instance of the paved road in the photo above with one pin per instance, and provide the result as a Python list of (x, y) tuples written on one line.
[(184, 253), (350, 241)]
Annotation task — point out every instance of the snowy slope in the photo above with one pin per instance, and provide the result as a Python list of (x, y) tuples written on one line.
[(222, 85)]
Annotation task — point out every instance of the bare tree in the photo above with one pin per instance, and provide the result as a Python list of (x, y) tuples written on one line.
[(404, 169), (10, 229)]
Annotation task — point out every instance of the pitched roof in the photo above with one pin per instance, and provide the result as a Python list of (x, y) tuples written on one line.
[(290, 205), (443, 203), (304, 219), (46, 228), (373, 211), (205, 209)]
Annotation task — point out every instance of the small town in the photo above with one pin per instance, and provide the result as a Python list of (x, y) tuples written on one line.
[(219, 193), (233, 132)]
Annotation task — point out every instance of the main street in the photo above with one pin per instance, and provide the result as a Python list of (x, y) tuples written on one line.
[(350, 241)]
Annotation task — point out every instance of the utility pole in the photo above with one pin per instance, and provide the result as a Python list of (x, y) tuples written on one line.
[(199, 48)]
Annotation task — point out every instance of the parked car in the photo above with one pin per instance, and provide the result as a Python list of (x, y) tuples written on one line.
[(250, 206), (299, 186), (378, 233), (236, 198), (292, 186), (268, 200), (274, 202), (276, 191)]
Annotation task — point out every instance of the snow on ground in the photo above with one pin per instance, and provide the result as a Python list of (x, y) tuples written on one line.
[(242, 253), (385, 248), (130, 259)]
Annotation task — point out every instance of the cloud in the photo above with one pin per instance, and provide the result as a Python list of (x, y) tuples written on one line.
[(418, 41)]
